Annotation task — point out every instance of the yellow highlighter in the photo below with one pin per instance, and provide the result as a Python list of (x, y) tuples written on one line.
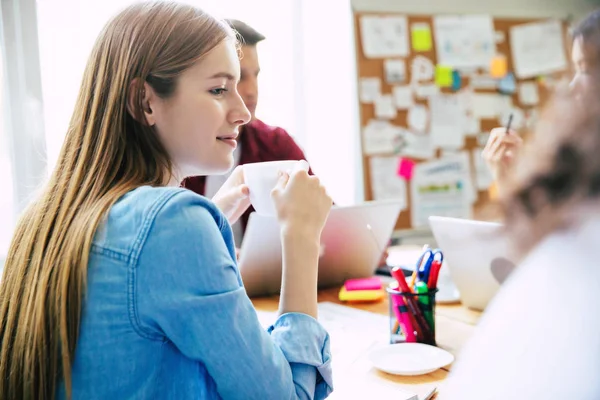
[(360, 295)]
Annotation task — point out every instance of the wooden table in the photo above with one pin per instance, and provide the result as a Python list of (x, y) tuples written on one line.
[(454, 325)]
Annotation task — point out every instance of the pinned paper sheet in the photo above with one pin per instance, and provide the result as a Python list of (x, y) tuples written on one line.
[(490, 106), (499, 67), (421, 69), (380, 137), (384, 181), (384, 36), (443, 76), (421, 37), (483, 175), (483, 82), (508, 84), (464, 41), (499, 37), (417, 146), (447, 121), (405, 168), (538, 48), (403, 97), (395, 71), (385, 108), (529, 94), (456, 81), (417, 118), (466, 98), (426, 91), (472, 125), (441, 188), (370, 89)]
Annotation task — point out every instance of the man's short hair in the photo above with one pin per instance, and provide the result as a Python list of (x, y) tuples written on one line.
[(248, 35)]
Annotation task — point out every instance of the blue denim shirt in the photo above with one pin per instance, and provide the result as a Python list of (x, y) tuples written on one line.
[(166, 315)]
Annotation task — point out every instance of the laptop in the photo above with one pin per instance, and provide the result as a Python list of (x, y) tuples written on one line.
[(352, 242), (477, 255)]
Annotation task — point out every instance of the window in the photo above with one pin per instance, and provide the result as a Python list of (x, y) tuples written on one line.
[(7, 209)]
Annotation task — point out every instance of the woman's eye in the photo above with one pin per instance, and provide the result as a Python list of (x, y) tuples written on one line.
[(218, 91)]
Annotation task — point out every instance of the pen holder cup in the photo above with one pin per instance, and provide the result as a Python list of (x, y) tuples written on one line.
[(412, 316)]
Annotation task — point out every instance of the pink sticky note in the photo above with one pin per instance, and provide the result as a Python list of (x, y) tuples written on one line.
[(373, 283), (405, 168)]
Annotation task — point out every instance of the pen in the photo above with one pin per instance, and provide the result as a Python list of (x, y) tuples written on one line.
[(433, 275), (510, 118), (413, 279), (425, 304), (402, 315)]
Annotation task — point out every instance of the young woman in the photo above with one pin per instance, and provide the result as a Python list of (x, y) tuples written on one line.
[(539, 337), (119, 284), (502, 149)]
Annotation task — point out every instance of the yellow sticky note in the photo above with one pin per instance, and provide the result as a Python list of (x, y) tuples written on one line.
[(443, 76), (498, 67), (421, 37)]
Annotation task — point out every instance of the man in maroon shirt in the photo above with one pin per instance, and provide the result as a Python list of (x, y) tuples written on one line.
[(257, 141)]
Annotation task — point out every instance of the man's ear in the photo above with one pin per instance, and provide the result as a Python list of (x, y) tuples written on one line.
[(145, 116)]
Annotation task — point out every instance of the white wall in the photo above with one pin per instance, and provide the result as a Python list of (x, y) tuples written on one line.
[(499, 8)]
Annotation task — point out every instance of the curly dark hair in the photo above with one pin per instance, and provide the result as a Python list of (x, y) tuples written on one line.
[(557, 177)]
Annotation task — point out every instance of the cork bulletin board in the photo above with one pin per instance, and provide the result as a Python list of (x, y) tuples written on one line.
[(375, 67)]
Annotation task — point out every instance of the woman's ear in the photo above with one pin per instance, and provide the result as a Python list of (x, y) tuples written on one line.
[(146, 117)]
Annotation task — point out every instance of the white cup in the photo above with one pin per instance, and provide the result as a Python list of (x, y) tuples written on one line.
[(262, 177)]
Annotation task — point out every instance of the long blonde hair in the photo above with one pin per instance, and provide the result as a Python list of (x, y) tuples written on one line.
[(106, 153)]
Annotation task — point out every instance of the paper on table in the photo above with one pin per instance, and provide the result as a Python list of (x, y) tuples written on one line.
[(464, 40), (385, 182), (490, 106), (385, 108), (395, 71), (384, 36), (403, 97), (417, 146), (421, 69), (483, 176), (370, 89), (529, 94), (417, 118), (447, 121), (538, 48), (426, 90), (441, 188), (381, 137)]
